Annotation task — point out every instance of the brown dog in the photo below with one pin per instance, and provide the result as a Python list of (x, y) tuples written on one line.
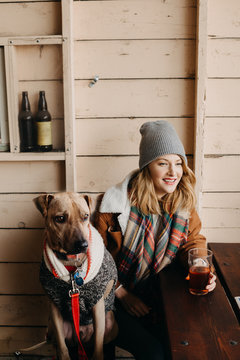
[(74, 253)]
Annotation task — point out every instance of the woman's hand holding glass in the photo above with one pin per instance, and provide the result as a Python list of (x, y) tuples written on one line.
[(211, 282)]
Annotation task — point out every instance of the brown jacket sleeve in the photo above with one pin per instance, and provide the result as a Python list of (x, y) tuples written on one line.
[(109, 228), (195, 239)]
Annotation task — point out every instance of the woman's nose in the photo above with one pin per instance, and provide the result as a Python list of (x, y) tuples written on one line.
[(172, 170)]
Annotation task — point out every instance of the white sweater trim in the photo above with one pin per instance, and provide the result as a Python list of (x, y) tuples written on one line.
[(96, 254), (115, 200)]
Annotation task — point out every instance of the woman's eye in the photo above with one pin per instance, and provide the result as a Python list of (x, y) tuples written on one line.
[(179, 164), (162, 164), (60, 219)]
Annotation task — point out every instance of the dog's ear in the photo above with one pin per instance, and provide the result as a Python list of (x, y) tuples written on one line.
[(89, 201), (42, 202)]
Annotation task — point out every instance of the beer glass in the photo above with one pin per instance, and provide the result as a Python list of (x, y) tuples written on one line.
[(200, 263)]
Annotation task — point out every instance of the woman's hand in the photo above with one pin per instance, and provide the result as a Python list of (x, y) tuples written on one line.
[(211, 282), (132, 304)]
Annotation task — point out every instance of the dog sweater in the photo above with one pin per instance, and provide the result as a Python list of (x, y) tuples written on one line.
[(89, 293)]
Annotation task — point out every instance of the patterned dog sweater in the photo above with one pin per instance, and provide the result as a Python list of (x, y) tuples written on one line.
[(89, 293)]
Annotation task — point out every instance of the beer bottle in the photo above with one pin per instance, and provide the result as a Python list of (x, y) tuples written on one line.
[(43, 125), (26, 125)]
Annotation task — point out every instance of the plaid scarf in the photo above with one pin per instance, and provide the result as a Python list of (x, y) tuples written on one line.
[(142, 254)]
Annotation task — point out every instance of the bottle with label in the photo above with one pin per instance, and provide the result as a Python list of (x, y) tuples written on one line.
[(43, 125), (26, 125)]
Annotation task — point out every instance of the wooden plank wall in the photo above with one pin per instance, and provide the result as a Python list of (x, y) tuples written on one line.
[(144, 55), (221, 180), (23, 307)]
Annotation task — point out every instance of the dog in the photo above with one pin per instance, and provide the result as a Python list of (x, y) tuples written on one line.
[(74, 253)]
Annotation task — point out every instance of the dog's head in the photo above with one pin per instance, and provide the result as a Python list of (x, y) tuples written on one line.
[(67, 221)]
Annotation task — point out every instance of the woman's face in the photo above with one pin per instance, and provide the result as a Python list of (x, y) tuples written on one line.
[(166, 172)]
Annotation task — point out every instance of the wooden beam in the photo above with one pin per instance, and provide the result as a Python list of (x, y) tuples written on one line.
[(4, 134), (68, 90), (200, 96), (36, 40), (12, 97)]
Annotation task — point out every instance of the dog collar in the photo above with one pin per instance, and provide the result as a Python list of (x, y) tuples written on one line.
[(77, 274)]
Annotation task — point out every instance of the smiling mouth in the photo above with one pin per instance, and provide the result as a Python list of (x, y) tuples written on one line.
[(170, 181)]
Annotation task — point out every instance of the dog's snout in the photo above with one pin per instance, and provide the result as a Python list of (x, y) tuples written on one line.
[(80, 246)]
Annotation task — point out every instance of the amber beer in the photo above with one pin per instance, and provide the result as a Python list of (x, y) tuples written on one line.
[(198, 280), (200, 261)]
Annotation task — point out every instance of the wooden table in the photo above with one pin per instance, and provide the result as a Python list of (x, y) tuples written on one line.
[(227, 264), (203, 327)]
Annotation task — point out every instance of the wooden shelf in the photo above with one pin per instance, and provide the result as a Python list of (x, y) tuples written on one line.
[(33, 156), (11, 51), (32, 40)]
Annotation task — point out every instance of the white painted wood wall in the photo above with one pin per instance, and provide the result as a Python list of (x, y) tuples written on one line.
[(146, 54), (221, 170)]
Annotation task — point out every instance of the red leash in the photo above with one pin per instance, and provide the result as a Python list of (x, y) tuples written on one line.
[(76, 313), (74, 294)]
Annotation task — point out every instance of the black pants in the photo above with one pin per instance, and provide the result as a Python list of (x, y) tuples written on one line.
[(136, 338)]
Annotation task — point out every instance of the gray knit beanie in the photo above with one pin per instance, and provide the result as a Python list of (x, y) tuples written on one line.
[(158, 138)]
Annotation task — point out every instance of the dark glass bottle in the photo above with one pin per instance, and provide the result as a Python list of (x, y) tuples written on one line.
[(26, 125), (43, 125)]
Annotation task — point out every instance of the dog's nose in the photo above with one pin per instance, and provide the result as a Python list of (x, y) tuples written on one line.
[(80, 246)]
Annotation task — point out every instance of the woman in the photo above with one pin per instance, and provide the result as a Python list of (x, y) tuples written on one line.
[(146, 221)]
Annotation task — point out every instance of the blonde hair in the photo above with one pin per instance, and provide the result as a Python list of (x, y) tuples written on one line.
[(143, 195)]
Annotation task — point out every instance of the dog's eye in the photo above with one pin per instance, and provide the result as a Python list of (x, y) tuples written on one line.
[(85, 217), (60, 219)]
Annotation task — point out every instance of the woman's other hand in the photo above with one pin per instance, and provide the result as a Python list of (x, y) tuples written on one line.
[(211, 282), (132, 304)]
